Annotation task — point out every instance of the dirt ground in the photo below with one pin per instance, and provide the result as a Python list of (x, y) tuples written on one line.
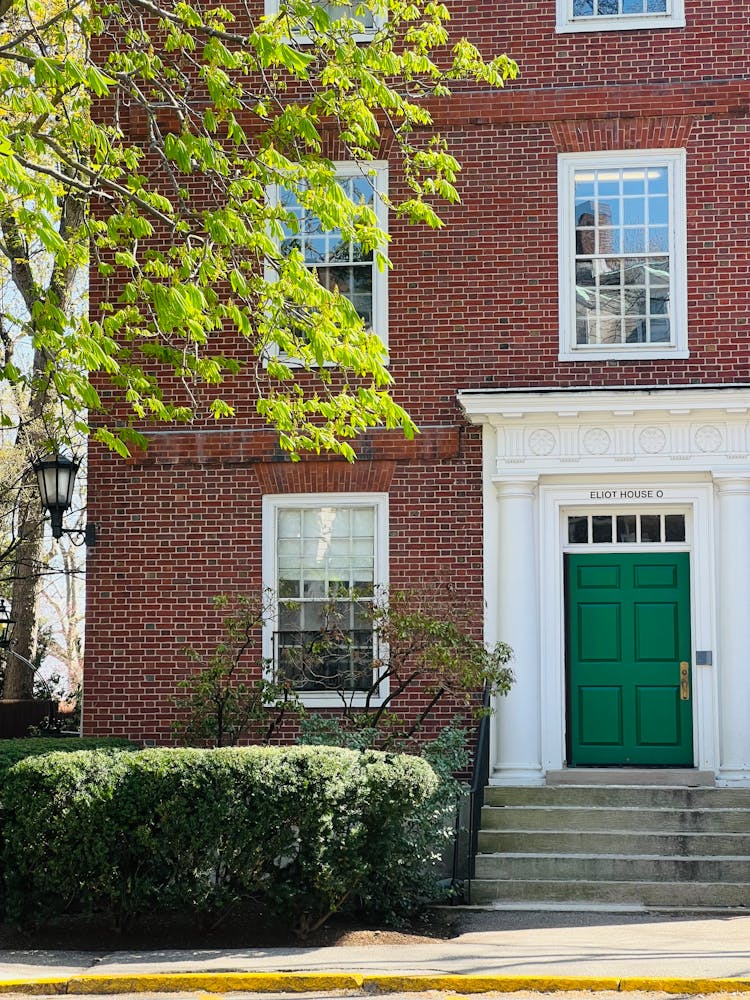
[(237, 930)]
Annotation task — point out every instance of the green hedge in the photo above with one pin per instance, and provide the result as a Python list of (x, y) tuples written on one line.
[(11, 751), (299, 830)]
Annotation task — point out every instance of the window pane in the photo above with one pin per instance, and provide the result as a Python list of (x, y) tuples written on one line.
[(288, 587), (290, 617), (578, 530), (659, 331), (674, 527), (321, 248), (329, 558), (650, 527), (601, 528), (626, 528), (621, 239), (634, 211), (658, 210), (289, 524), (313, 588)]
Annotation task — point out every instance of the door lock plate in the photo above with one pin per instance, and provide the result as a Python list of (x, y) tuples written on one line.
[(684, 681)]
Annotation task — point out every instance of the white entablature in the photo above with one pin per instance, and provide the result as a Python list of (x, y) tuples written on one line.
[(587, 431)]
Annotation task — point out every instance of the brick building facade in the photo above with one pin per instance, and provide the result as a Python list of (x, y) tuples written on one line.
[(574, 348)]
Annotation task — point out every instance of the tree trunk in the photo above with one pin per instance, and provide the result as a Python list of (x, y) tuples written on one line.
[(33, 430), (19, 679)]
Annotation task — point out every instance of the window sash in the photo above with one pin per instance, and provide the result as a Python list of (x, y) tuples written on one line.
[(623, 248), (593, 9), (324, 564), (370, 22), (622, 254), (356, 274)]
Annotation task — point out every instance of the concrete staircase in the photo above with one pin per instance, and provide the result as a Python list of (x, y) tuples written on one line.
[(615, 846)]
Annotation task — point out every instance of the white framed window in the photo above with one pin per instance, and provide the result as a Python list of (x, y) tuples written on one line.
[(369, 19), (340, 264), (325, 561), (622, 258), (619, 15)]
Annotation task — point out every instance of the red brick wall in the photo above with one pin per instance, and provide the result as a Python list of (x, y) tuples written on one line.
[(472, 306)]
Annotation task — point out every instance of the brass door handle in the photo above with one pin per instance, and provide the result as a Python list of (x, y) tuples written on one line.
[(684, 681)]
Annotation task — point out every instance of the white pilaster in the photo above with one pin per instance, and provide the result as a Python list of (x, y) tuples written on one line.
[(733, 600), (517, 744)]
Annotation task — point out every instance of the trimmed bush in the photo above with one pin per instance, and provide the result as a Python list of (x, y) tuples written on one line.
[(302, 831), (11, 751)]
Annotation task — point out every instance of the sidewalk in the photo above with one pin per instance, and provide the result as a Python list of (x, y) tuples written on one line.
[(494, 951)]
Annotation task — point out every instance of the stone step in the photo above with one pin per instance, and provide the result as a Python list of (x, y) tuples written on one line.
[(677, 846), (612, 867), (613, 842), (637, 796), (626, 818), (688, 776), (575, 893)]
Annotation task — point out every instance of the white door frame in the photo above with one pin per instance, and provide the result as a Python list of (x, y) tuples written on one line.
[(554, 501)]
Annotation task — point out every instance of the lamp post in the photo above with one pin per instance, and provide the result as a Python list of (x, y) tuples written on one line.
[(56, 476), (18, 726), (7, 625)]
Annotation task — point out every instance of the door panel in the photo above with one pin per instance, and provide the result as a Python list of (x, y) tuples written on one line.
[(628, 622)]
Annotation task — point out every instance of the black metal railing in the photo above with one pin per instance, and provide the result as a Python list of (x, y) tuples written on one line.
[(479, 777)]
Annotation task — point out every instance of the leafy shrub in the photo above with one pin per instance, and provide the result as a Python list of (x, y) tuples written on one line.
[(428, 644), (228, 698), (12, 751), (302, 831), (429, 830)]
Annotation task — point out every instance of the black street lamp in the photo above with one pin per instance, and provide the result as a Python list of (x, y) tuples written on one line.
[(14, 724), (56, 476), (7, 625)]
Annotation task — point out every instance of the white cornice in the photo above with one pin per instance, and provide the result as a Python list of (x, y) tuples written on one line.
[(637, 430)]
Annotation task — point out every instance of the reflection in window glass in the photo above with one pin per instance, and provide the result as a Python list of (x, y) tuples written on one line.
[(618, 8), (622, 246), (626, 528), (601, 528), (336, 11), (340, 265), (650, 527), (578, 530), (674, 527), (325, 587)]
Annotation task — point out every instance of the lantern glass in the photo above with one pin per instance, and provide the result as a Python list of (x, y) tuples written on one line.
[(56, 475), (7, 624)]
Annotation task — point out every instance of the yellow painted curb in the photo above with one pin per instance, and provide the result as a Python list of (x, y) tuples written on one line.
[(692, 986), (488, 984), (215, 982), (55, 984), (309, 982)]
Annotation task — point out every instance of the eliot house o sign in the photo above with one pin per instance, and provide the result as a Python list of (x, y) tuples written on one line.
[(624, 494)]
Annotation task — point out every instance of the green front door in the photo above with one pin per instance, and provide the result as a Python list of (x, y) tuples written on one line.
[(628, 635)]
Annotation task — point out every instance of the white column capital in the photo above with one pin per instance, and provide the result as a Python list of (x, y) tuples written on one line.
[(732, 483), (515, 487)]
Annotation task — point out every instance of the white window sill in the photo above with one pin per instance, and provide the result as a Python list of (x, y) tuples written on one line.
[(334, 700), (621, 23), (361, 37), (626, 354)]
